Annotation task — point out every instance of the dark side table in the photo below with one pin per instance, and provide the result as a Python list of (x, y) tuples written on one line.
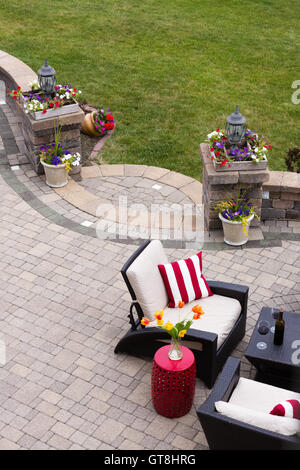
[(277, 365)]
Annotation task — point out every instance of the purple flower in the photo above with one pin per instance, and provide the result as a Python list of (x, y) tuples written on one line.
[(219, 145), (55, 160)]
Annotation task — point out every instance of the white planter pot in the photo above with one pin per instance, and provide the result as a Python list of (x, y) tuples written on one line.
[(56, 176), (234, 233)]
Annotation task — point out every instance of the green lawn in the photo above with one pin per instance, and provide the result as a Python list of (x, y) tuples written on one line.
[(170, 70)]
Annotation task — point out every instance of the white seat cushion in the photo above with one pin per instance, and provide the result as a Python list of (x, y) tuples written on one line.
[(251, 403), (220, 315), (146, 281)]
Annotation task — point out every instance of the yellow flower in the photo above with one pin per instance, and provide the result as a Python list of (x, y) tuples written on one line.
[(159, 322), (181, 333), (169, 326)]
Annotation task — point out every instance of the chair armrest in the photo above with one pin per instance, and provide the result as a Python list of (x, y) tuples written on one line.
[(224, 385), (235, 291)]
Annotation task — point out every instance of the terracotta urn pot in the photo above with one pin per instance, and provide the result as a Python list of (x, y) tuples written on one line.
[(56, 176), (234, 233), (88, 125)]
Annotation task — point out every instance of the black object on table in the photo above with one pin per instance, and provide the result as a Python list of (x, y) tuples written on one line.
[(277, 365)]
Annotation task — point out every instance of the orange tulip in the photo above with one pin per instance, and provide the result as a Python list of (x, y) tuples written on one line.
[(180, 304), (197, 309), (145, 321), (159, 315)]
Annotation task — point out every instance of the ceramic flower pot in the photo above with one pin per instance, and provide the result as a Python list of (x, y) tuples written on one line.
[(56, 176), (234, 232), (88, 125)]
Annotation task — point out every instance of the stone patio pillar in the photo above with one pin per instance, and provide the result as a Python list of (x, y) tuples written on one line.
[(41, 132), (222, 185)]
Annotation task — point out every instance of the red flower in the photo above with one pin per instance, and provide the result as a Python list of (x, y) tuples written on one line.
[(18, 88), (109, 126), (212, 149), (73, 94), (57, 104), (269, 147), (218, 130), (14, 97), (74, 89), (51, 105), (15, 92), (44, 111), (109, 117), (217, 154)]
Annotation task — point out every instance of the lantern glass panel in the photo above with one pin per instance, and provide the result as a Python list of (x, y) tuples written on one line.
[(235, 132), (47, 84)]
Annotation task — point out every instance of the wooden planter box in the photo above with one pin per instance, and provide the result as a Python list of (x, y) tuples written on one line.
[(240, 166), (54, 112)]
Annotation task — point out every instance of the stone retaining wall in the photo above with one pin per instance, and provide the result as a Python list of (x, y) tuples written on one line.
[(281, 196), (15, 73)]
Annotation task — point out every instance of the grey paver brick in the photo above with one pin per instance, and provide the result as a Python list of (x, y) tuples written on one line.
[(63, 308)]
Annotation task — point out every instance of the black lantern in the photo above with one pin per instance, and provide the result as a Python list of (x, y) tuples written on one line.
[(47, 79), (235, 128)]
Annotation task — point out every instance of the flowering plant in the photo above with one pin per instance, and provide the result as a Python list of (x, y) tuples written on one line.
[(34, 85), (181, 327), (103, 122), (35, 101), (252, 148), (237, 210), (15, 94), (55, 154), (66, 93)]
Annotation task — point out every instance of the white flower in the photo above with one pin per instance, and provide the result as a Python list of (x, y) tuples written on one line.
[(212, 134)]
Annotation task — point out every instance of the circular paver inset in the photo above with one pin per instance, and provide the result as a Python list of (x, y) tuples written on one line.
[(136, 189)]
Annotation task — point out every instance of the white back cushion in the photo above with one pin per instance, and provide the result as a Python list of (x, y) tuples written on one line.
[(146, 281), (259, 396), (278, 424)]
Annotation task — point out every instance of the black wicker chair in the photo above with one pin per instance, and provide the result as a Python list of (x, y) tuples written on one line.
[(141, 341), (224, 433)]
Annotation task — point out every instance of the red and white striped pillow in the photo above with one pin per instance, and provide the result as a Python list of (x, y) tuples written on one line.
[(288, 408), (184, 280)]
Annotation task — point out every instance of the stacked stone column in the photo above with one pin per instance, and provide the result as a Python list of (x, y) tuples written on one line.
[(41, 132), (223, 185)]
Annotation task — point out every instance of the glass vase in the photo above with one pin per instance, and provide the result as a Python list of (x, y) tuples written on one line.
[(175, 351)]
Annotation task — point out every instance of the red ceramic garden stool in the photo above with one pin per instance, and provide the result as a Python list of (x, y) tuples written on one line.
[(173, 383)]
